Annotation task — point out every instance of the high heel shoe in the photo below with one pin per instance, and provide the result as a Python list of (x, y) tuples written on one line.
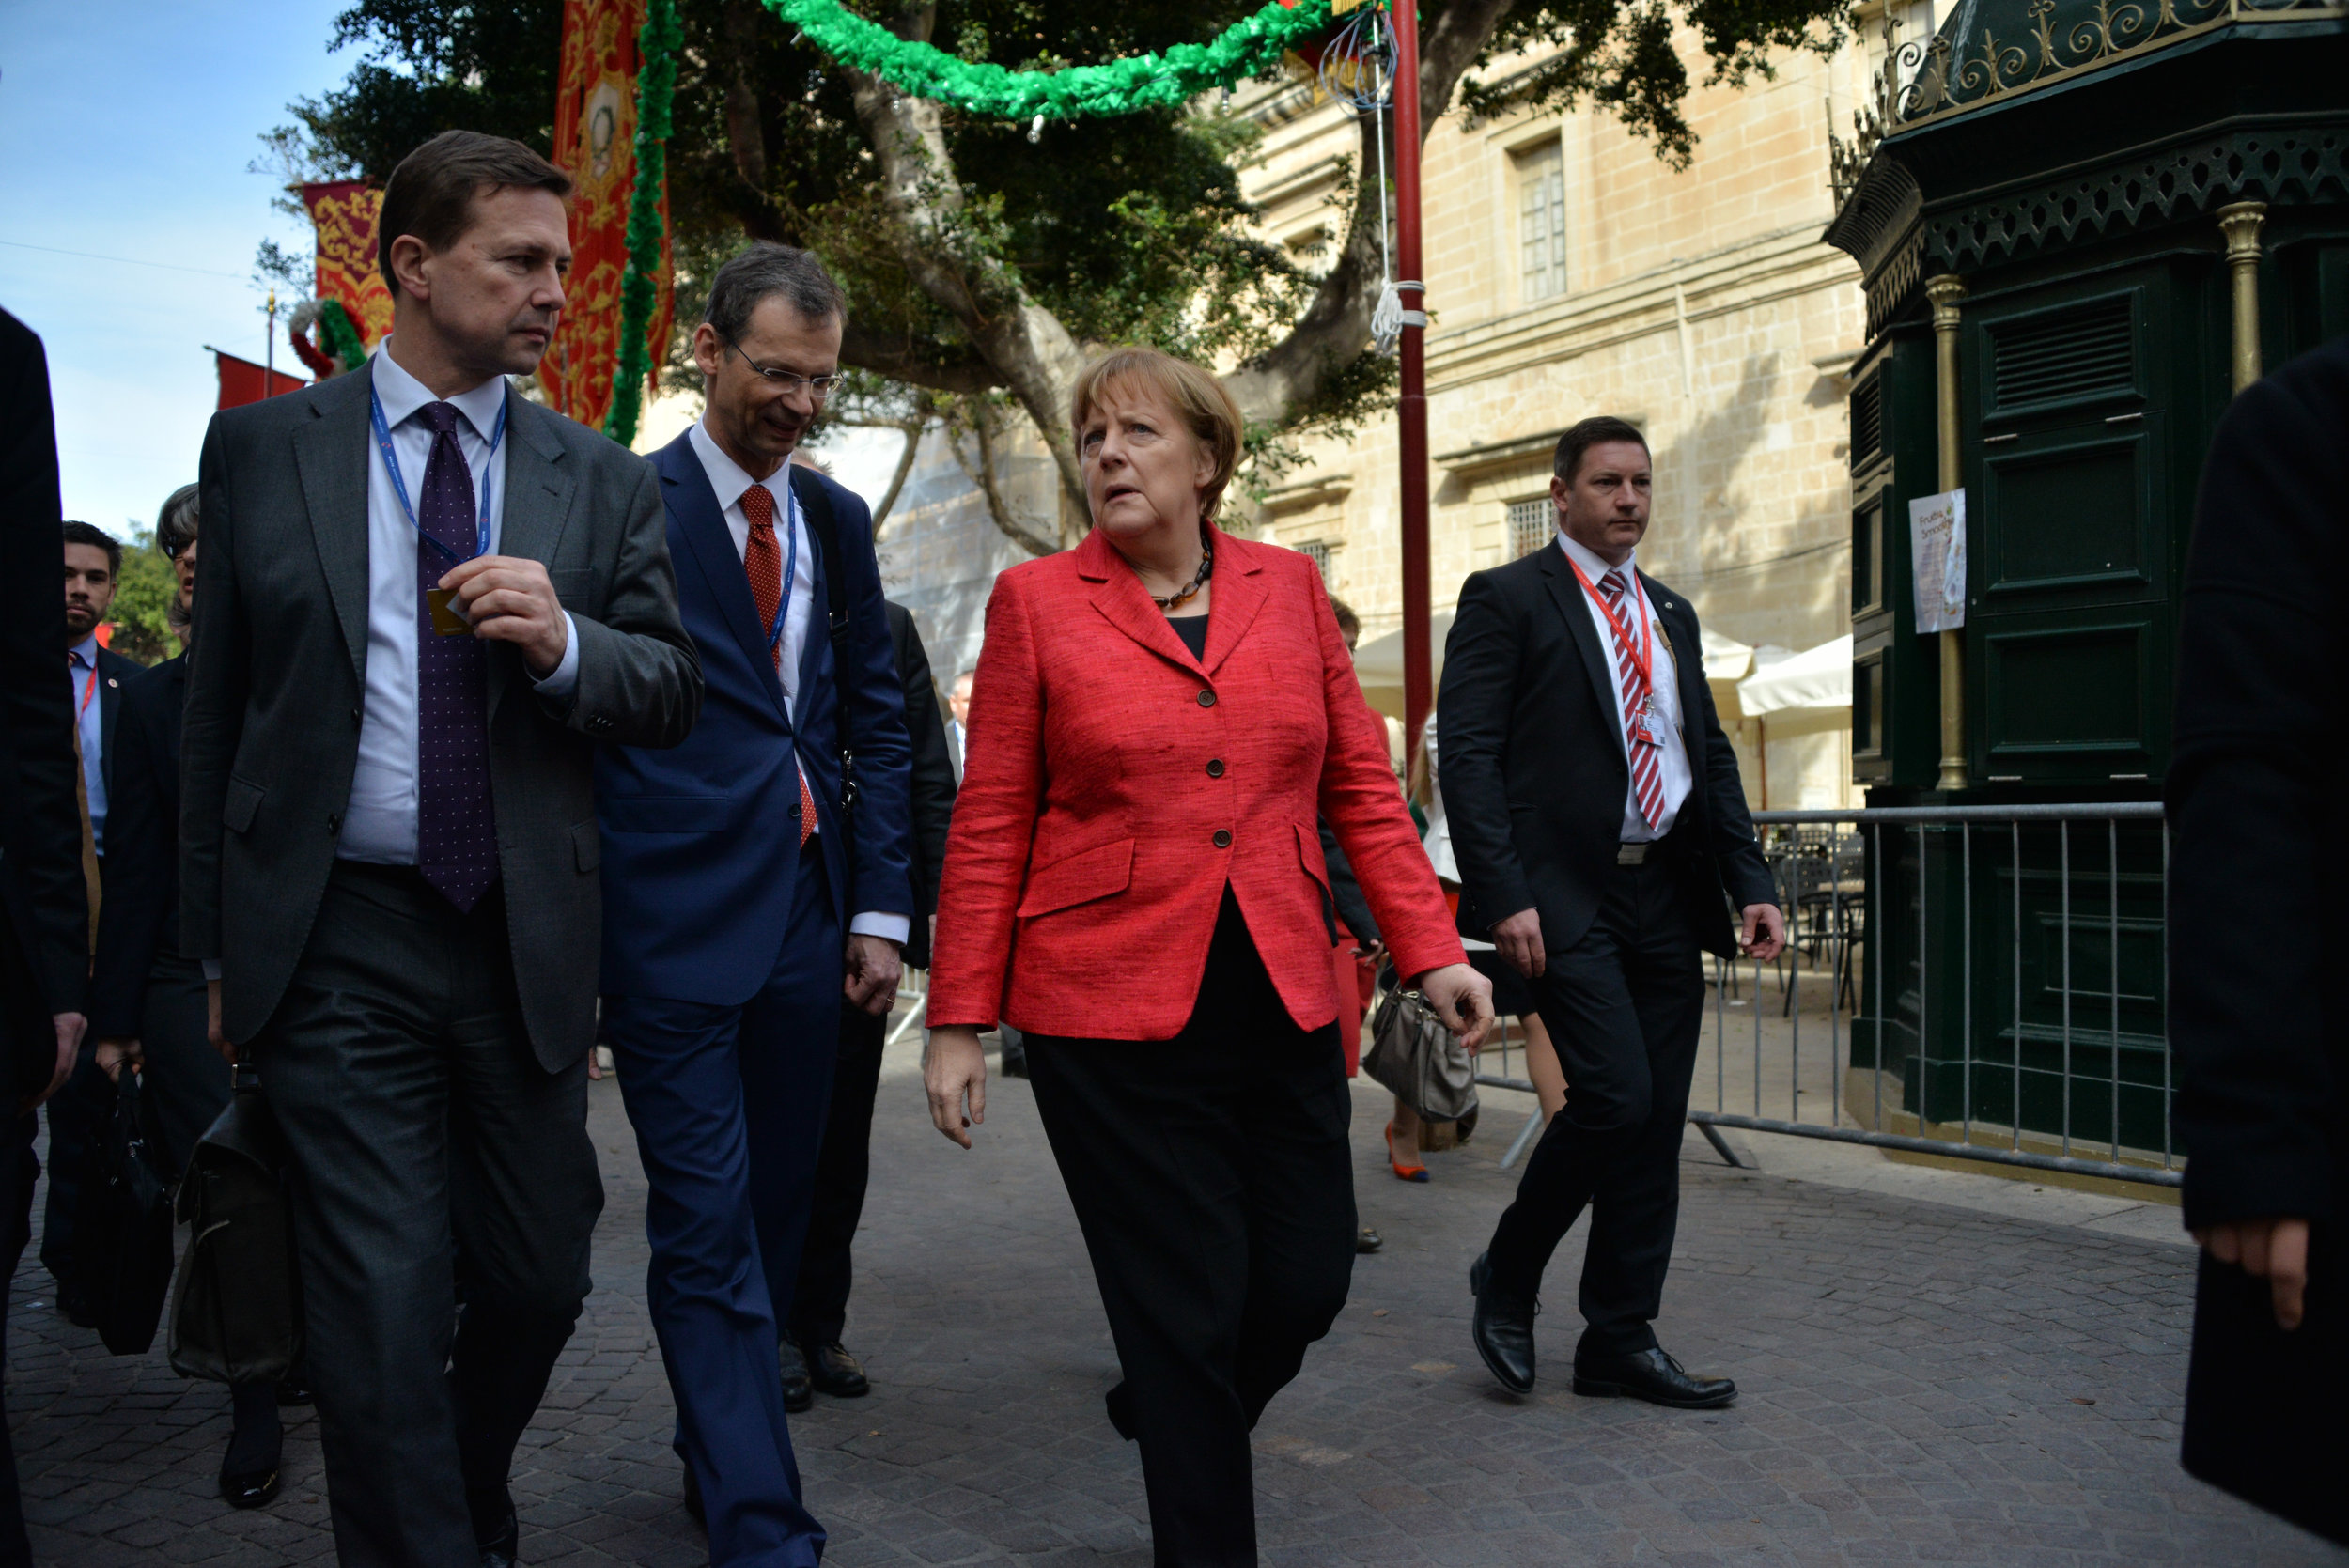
[(1413, 1173)]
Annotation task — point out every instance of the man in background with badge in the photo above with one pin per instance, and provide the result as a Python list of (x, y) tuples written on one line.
[(1598, 820)]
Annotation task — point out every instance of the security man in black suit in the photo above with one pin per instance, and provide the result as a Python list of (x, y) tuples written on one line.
[(1598, 819), (93, 572), (2254, 795), (814, 1359), (44, 908)]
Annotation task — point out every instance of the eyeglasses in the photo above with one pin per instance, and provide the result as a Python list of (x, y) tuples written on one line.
[(818, 387)]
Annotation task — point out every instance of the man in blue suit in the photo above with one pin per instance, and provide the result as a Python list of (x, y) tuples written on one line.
[(732, 865)]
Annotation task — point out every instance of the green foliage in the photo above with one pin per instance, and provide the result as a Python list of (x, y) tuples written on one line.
[(142, 601), (657, 48)]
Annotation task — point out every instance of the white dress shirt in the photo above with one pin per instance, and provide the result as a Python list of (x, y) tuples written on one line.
[(89, 709), (1664, 674), (380, 824), (731, 483)]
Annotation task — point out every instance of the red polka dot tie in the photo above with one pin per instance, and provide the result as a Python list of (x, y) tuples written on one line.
[(762, 558)]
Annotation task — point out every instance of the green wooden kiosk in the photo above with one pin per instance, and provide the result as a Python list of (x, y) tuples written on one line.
[(2082, 227)]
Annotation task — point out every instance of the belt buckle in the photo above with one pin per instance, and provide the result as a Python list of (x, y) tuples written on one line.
[(1632, 853)]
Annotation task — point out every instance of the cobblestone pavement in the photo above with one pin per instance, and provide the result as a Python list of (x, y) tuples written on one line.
[(1921, 1382)]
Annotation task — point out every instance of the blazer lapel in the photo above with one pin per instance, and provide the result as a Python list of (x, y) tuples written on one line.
[(331, 458), (693, 508), (1567, 593), (816, 648), (1687, 669), (1237, 595), (1118, 594), (537, 504)]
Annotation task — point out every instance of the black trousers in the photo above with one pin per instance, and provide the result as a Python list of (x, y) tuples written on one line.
[(818, 1311), (434, 1155), (1625, 1006), (1211, 1178), (20, 1168), (188, 1084)]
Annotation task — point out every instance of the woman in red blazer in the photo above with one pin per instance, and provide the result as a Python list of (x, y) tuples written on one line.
[(1135, 878)]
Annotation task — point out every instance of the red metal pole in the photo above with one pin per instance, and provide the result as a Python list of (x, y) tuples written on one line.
[(1418, 686)]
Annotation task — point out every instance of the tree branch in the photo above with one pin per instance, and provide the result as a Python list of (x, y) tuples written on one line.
[(982, 474), (1335, 328)]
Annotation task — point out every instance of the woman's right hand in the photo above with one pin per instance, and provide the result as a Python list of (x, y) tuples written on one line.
[(953, 1071)]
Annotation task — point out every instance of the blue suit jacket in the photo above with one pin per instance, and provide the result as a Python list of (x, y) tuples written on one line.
[(701, 841)]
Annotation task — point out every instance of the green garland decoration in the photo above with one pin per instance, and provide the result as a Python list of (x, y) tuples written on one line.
[(657, 46), (339, 337), (1249, 47)]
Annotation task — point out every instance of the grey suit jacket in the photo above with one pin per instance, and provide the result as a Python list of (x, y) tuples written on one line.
[(277, 677)]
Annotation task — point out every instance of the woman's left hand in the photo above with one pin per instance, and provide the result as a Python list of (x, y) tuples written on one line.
[(1462, 998)]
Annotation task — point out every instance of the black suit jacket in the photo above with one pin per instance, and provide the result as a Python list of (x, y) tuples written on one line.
[(2255, 793), (44, 933), (115, 675), (933, 793), (1534, 767), (276, 688), (139, 920)]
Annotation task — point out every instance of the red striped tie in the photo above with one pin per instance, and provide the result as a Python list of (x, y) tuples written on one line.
[(1639, 737)]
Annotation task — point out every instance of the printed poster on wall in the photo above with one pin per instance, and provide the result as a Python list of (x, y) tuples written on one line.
[(1936, 554)]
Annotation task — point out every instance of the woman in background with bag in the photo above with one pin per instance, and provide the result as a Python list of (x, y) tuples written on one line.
[(1511, 997), (149, 1003), (1135, 878)]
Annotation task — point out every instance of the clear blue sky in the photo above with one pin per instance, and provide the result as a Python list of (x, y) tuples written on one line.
[(125, 131)]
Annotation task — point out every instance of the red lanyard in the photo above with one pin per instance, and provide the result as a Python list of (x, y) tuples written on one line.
[(87, 692), (1642, 649)]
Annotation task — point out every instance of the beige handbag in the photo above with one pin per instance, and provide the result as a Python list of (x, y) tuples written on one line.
[(1412, 1053)]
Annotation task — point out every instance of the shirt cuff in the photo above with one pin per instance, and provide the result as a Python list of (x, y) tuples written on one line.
[(211, 968), (889, 928), (563, 682)]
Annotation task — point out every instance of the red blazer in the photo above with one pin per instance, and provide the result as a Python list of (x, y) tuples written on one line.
[(1112, 784)]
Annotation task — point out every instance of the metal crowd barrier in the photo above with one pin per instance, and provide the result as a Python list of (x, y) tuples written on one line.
[(1993, 986)]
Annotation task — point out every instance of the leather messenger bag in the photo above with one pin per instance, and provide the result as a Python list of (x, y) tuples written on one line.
[(236, 1310)]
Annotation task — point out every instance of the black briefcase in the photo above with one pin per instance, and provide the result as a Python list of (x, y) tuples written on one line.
[(235, 1312), (122, 1229)]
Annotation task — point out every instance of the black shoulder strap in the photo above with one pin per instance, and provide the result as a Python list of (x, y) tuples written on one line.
[(825, 528)]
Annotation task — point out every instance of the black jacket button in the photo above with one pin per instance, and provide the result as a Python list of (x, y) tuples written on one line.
[(1215, 769), (334, 822), (1223, 838), (1206, 698)]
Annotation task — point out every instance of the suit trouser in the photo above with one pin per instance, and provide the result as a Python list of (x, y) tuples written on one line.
[(434, 1154), (1623, 1007), (1211, 1176), (77, 1115), (187, 1083), (818, 1312), (728, 1105), (20, 1168)]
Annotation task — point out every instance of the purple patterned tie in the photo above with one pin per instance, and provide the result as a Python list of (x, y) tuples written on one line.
[(456, 824)]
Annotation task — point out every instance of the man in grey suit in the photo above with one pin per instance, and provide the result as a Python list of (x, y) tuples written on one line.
[(422, 602)]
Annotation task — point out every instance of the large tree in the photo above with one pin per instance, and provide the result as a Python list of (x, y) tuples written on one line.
[(981, 260)]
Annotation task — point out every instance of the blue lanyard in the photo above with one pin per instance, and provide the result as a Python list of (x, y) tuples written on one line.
[(790, 563), (399, 486)]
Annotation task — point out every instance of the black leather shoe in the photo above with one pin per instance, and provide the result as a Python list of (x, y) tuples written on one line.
[(1652, 1375), (834, 1371), (293, 1391), (499, 1544), (1503, 1328), (249, 1488), (1120, 1403), (798, 1393), (74, 1307), (1367, 1240)]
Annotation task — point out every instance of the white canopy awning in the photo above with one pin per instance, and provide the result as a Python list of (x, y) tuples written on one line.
[(1378, 664), (1811, 688)]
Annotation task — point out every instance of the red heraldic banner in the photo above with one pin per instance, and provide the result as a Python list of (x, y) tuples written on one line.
[(346, 212), (242, 381), (595, 143)]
